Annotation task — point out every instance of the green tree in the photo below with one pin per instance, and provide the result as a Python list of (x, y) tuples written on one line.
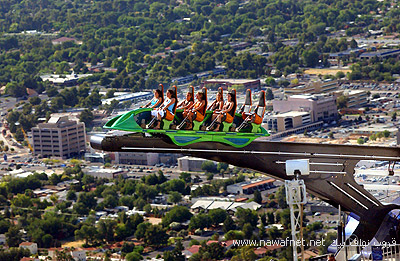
[(174, 197), (386, 133), (353, 44), (271, 217), (14, 254), (342, 101), (13, 236), (245, 253), (246, 216), (141, 230), (199, 221), (185, 176), (281, 197), (86, 117), (155, 235), (133, 256), (257, 197), (270, 81), (217, 216), (213, 251), (360, 141), (248, 230), (87, 233), (35, 100), (229, 224), (376, 96), (311, 57), (340, 75), (222, 166), (16, 90), (71, 195), (105, 230), (209, 166)]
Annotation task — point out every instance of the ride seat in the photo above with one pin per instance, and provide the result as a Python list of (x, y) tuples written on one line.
[(259, 113), (226, 125), (167, 121), (246, 107), (197, 124)]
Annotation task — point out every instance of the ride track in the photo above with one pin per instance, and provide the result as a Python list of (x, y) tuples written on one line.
[(331, 167)]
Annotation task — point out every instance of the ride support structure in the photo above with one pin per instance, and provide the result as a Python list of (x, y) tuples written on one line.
[(296, 198)]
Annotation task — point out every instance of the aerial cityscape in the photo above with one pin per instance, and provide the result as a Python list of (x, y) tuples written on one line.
[(199, 130)]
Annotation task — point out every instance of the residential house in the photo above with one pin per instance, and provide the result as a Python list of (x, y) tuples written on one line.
[(32, 247)]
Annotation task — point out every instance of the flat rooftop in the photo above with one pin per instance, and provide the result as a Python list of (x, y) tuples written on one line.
[(291, 114), (376, 128), (232, 81)]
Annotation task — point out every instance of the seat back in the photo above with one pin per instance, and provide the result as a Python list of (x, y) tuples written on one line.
[(246, 107), (161, 88), (175, 89), (204, 89), (220, 91), (191, 90), (260, 110), (233, 91)]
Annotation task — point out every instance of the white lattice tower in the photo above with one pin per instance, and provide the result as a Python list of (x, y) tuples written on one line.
[(296, 198)]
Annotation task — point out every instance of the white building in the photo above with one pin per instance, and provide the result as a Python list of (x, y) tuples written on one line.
[(2, 239), (136, 158), (103, 173), (68, 79), (32, 247), (134, 97), (226, 205), (78, 254), (59, 137), (190, 163)]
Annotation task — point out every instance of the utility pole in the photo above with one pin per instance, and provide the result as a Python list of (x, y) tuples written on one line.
[(296, 198)]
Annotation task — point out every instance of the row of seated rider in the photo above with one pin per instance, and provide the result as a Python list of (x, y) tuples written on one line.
[(196, 111)]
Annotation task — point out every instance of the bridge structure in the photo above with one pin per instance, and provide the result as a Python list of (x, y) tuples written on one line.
[(331, 175)]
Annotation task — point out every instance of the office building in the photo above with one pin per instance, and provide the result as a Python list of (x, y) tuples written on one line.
[(287, 120), (357, 98), (190, 164), (141, 158), (321, 107), (59, 137), (226, 83), (136, 158), (325, 86)]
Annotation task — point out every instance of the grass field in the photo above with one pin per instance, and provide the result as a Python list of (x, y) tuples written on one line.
[(325, 71)]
